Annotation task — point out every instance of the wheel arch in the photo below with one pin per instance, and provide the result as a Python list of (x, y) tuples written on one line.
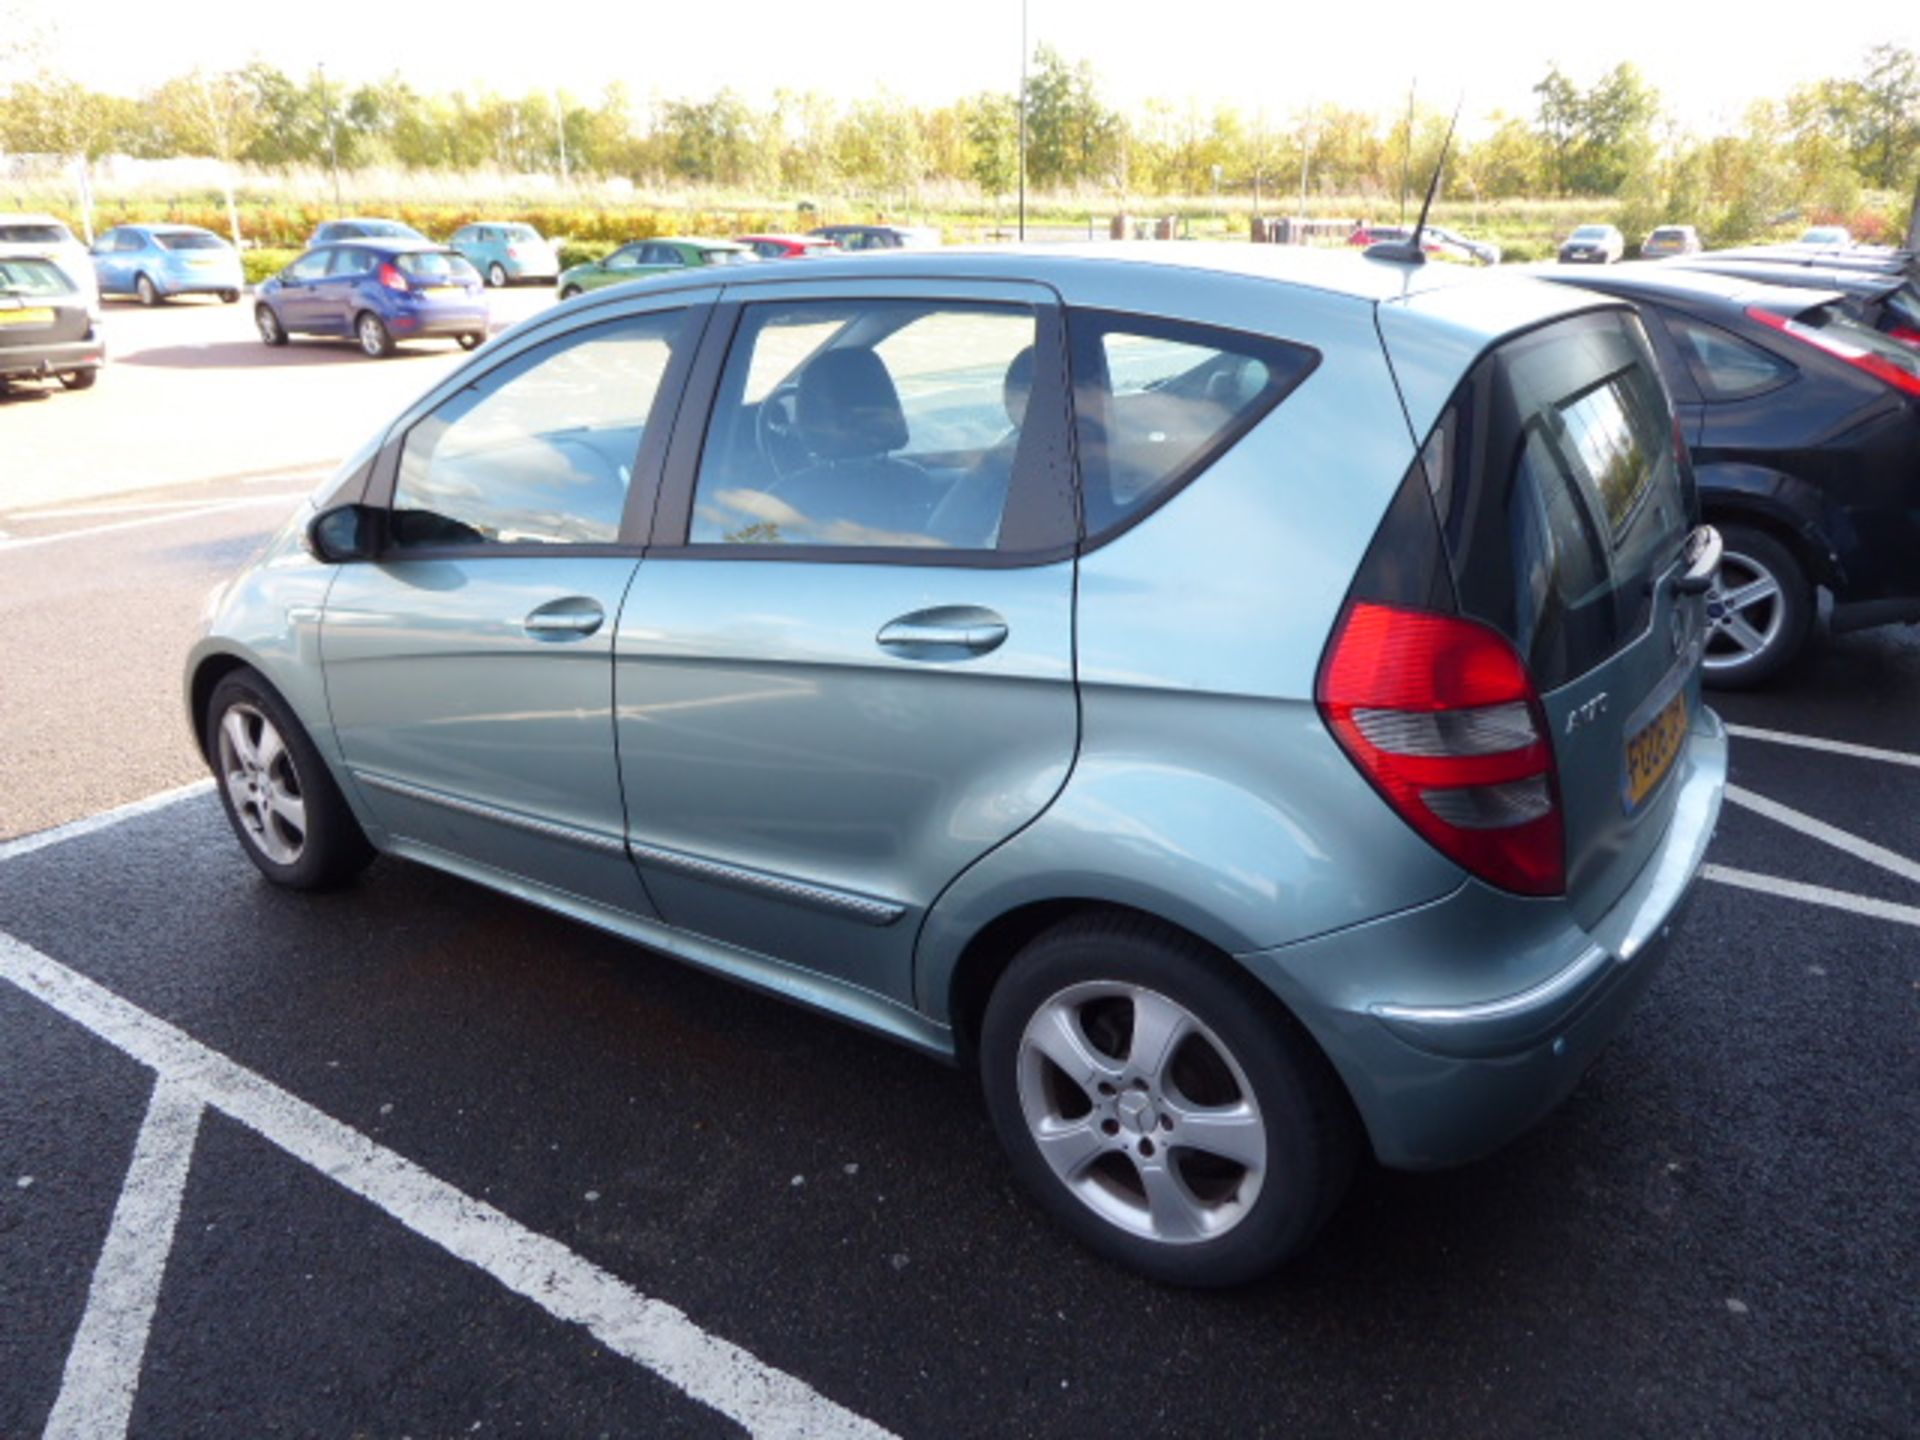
[(1789, 510)]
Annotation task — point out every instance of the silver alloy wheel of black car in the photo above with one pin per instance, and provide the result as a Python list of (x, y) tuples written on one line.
[(1142, 1112), (375, 339), (262, 782), (1746, 613)]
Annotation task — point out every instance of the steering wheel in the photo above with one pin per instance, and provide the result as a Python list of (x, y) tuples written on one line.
[(776, 431)]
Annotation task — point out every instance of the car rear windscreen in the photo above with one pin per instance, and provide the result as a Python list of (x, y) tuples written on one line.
[(187, 240), (436, 265), (33, 277), (1561, 490), (34, 235)]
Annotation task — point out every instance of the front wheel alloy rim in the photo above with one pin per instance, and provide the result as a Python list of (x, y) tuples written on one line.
[(1745, 612), (263, 784), (1142, 1112)]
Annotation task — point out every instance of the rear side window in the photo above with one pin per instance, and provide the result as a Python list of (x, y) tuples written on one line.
[(1561, 491), (436, 265), (1157, 401), (1724, 366)]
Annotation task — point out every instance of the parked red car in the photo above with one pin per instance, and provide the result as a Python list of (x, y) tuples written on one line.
[(786, 247)]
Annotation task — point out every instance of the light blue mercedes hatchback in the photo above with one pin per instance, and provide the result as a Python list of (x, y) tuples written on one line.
[(1244, 703)]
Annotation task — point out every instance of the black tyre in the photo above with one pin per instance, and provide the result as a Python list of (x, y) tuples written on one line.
[(229, 297), (269, 326), (148, 292), (1758, 612), (79, 379), (471, 341), (497, 275), (279, 796), (376, 341), (569, 292), (1163, 1107)]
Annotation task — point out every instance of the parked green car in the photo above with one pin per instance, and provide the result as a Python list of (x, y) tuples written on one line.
[(651, 257)]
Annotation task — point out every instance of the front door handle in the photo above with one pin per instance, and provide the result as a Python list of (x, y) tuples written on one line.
[(574, 618), (946, 632)]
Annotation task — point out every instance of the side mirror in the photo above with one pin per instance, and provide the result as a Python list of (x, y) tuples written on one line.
[(344, 533)]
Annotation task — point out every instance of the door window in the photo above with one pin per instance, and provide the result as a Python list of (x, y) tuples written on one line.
[(1157, 401), (351, 260), (310, 267), (541, 450), (872, 424)]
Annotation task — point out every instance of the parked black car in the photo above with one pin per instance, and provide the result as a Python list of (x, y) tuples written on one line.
[(1805, 431), (1879, 259), (879, 237), (46, 329), (1889, 302)]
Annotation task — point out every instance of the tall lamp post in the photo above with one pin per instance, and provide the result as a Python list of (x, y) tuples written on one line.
[(1023, 119), (333, 154)]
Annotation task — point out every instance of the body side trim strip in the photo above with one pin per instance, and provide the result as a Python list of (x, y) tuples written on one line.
[(865, 908), (547, 829)]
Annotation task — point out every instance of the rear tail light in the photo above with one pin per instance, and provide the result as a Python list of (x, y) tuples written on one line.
[(513, 252), (1440, 714), (1905, 335), (391, 277), (1876, 365)]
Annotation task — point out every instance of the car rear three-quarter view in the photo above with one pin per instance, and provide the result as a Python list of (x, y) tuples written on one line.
[(1245, 705)]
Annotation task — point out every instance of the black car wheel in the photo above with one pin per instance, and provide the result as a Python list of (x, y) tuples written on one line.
[(268, 323), (79, 379), (1758, 610), (279, 796), (471, 341), (376, 341), (569, 292), (229, 297), (1167, 1111)]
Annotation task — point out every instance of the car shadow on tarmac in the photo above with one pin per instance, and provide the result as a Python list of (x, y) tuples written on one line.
[(252, 354)]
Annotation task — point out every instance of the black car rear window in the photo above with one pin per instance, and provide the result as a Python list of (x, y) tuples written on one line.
[(33, 277), (187, 240), (34, 235), (1561, 490)]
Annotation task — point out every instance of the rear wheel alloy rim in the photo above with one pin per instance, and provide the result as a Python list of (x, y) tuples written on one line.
[(1141, 1112), (258, 771), (371, 340), (1745, 612), (269, 324)]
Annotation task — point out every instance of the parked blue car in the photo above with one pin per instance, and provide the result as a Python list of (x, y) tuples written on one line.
[(158, 262), (505, 251), (379, 292)]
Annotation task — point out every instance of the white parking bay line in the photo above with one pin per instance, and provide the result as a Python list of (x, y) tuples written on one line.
[(40, 839), (87, 512), (103, 1367), (1830, 747), (1812, 894), (27, 542), (649, 1332), (1820, 830)]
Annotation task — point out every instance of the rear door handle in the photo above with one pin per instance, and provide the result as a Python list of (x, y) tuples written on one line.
[(946, 632), (573, 618)]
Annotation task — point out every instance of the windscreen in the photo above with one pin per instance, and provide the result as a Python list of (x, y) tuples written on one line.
[(436, 265), (188, 240), (1562, 491)]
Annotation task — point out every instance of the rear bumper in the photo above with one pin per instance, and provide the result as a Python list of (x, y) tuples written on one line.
[(1459, 1024), (413, 324), (54, 358)]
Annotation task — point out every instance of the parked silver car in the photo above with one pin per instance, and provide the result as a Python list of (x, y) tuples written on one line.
[(1243, 702)]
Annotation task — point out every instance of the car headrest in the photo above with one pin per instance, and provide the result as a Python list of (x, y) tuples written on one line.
[(1017, 388), (846, 406)]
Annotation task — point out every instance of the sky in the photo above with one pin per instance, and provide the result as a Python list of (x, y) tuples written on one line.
[(1708, 58)]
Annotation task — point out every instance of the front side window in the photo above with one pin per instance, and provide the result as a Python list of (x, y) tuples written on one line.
[(868, 424), (540, 451), (311, 266), (1158, 400), (625, 258)]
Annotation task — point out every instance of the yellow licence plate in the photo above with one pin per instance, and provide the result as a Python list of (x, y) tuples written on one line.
[(1651, 751), (443, 290), (26, 317)]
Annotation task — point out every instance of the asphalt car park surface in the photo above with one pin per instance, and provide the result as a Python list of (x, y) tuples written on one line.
[(425, 1161)]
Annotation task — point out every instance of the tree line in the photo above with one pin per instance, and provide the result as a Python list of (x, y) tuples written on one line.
[(1820, 145)]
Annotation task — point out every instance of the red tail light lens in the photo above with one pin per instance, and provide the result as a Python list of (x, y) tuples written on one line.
[(1905, 335), (1861, 359), (1440, 714), (513, 252), (391, 277)]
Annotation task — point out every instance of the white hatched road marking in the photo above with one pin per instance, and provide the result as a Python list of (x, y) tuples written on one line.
[(103, 1367), (1820, 830), (1812, 894), (650, 1332), (1830, 747)]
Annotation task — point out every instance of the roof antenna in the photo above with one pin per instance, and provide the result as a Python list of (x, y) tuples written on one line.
[(1408, 251)]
